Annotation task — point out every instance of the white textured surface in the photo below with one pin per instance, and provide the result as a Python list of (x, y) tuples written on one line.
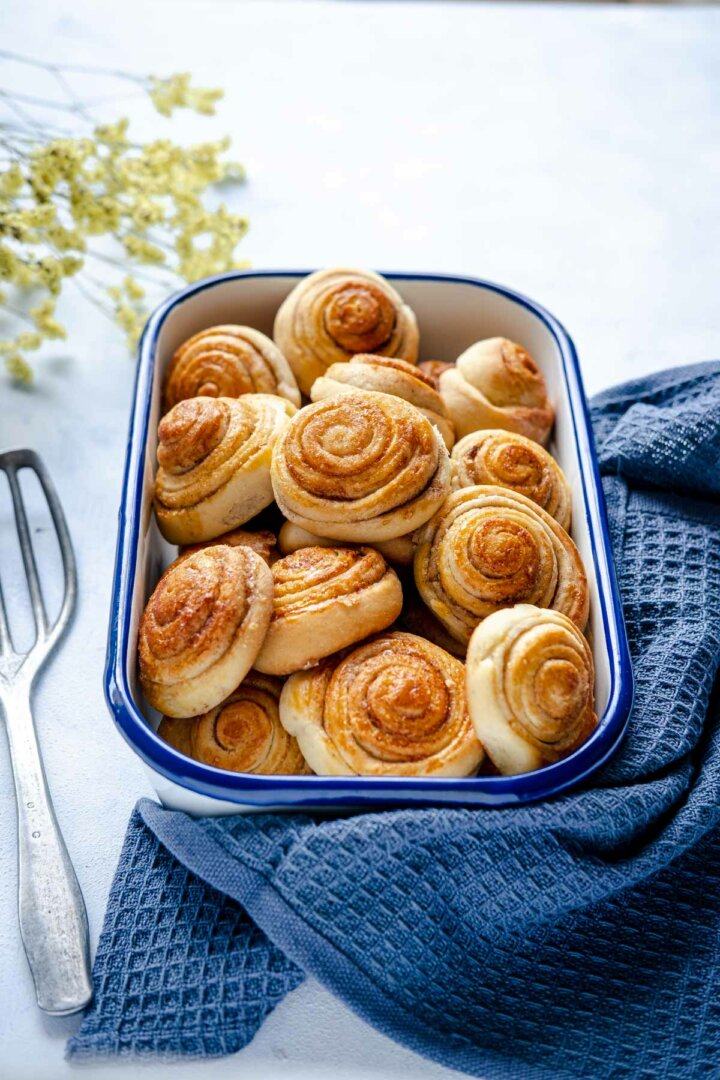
[(566, 151)]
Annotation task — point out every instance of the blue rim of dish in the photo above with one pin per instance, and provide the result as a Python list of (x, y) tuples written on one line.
[(327, 792)]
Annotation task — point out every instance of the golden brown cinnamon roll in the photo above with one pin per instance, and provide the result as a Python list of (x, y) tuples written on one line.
[(202, 628), (489, 548), (387, 375), (292, 537), (417, 618), (333, 314), (244, 734), (228, 361), (530, 678), (176, 731), (509, 460), (394, 706), (214, 464), (361, 467), (326, 599), (497, 384), (434, 369), (262, 542)]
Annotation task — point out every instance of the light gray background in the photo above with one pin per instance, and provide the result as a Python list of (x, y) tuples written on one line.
[(571, 152)]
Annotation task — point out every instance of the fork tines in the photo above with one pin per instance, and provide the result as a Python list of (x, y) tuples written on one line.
[(11, 462)]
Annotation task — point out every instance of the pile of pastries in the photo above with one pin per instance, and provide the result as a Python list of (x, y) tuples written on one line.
[(375, 574)]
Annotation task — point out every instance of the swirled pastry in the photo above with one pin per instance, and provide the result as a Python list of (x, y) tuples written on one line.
[(243, 733), (262, 542), (394, 706), (214, 464), (202, 628), (361, 467), (497, 384), (333, 314), (176, 730), (509, 460), (530, 678), (417, 618), (489, 548), (434, 369), (387, 375), (325, 599), (292, 537), (228, 361)]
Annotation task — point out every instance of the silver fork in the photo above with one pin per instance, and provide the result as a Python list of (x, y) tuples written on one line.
[(53, 922)]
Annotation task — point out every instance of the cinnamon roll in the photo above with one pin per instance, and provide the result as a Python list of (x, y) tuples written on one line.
[(489, 548), (394, 706), (497, 384), (228, 361), (262, 542), (511, 461), (244, 734), (292, 537), (387, 375), (214, 464), (333, 314), (326, 599), (176, 731), (363, 467), (417, 618), (202, 628), (434, 369), (530, 679)]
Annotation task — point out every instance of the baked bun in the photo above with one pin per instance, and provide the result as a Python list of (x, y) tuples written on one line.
[(243, 733), (489, 548), (387, 375), (177, 731), (530, 680), (333, 314), (202, 628), (228, 361), (325, 599), (395, 706), (214, 464), (433, 369), (262, 542), (417, 618), (292, 537), (497, 384), (509, 460), (361, 467)]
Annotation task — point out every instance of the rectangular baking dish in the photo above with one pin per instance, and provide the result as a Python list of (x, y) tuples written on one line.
[(452, 312)]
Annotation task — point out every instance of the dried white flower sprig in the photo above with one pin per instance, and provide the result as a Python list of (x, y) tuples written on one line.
[(87, 205)]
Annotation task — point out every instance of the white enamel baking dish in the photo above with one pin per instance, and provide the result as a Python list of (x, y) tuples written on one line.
[(453, 313)]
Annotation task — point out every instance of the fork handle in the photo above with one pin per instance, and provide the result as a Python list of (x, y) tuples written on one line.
[(53, 921)]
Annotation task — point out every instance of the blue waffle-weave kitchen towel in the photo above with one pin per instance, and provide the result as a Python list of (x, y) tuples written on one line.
[(577, 938)]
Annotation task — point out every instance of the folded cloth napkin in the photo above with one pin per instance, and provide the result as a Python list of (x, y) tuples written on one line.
[(578, 937)]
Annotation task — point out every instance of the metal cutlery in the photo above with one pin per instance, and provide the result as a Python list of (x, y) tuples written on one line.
[(53, 921)]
